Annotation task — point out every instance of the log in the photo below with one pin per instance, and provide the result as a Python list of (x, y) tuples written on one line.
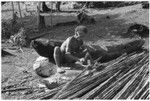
[(45, 48)]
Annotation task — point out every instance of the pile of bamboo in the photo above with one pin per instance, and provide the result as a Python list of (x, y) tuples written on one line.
[(123, 78)]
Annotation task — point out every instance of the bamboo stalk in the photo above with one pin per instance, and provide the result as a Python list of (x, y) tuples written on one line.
[(144, 96), (74, 86), (47, 94), (64, 94), (65, 87), (91, 94), (84, 86), (117, 88), (69, 83), (146, 86), (144, 78), (123, 78), (12, 8), (129, 60), (97, 89), (19, 9), (15, 89), (51, 14), (92, 79), (13, 85), (130, 86)]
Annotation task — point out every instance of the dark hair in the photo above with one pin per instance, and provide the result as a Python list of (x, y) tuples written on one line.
[(81, 28)]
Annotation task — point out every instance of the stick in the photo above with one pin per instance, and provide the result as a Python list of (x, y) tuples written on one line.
[(64, 88), (12, 8), (15, 89), (19, 9), (51, 13)]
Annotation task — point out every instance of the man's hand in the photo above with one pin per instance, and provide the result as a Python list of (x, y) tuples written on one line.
[(82, 60)]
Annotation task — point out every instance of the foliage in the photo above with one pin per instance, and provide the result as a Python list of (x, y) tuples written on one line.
[(10, 28), (106, 4)]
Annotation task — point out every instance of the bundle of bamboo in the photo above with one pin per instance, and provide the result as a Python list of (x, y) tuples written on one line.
[(123, 78)]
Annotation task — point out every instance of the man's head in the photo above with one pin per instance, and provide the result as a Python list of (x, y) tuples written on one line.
[(80, 31)]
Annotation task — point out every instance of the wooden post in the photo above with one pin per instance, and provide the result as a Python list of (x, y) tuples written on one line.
[(41, 20), (26, 8), (13, 17), (13, 12), (19, 9), (51, 13)]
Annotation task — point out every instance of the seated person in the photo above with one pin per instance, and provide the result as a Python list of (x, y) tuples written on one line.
[(72, 50)]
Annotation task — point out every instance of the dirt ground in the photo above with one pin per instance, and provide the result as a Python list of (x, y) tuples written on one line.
[(18, 69)]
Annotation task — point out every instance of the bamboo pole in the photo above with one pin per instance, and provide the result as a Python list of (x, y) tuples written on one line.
[(51, 13), (26, 8), (87, 89), (139, 86), (130, 86), (117, 88), (19, 9), (13, 12), (13, 18)]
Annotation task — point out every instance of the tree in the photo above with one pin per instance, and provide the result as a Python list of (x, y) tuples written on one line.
[(41, 20), (58, 6)]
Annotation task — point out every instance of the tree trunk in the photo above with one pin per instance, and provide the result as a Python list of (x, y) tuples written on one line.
[(58, 6), (19, 10), (41, 20)]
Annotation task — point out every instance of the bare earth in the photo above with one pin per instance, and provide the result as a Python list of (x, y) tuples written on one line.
[(18, 70)]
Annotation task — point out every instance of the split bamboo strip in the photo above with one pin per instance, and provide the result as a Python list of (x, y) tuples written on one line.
[(123, 78), (51, 93), (92, 93), (15, 89), (133, 67), (106, 64), (65, 87), (144, 78), (123, 57), (141, 91), (130, 86), (119, 86), (71, 82), (47, 94), (96, 76), (97, 89), (78, 88), (145, 94)]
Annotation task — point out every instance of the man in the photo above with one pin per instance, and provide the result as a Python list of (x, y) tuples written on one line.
[(72, 50)]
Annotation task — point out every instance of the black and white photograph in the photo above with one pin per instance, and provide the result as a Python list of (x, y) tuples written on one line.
[(75, 50)]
